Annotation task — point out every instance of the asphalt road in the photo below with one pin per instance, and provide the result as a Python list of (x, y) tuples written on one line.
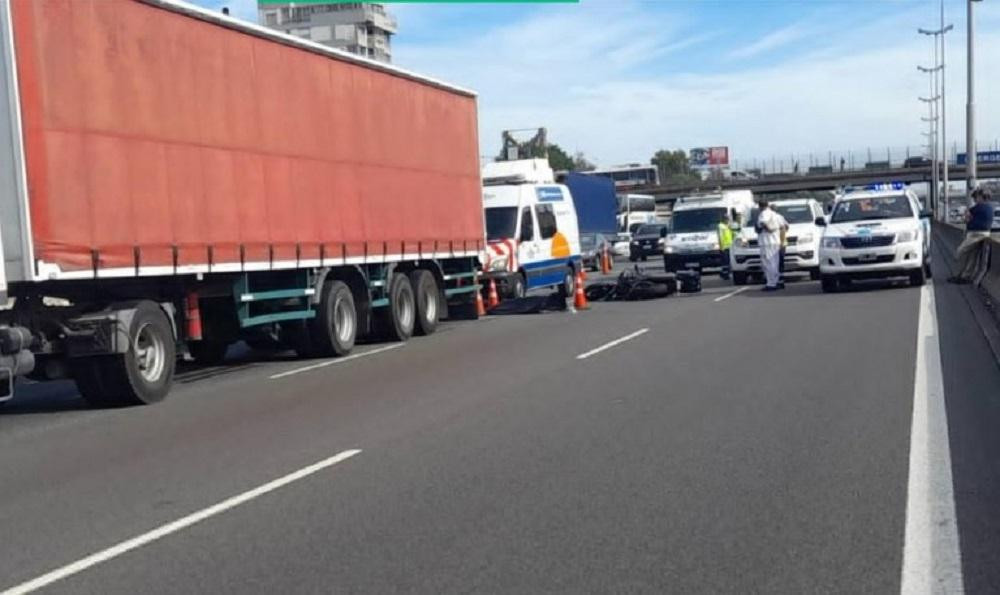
[(734, 443)]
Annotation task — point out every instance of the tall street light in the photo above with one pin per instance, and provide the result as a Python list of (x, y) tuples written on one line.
[(932, 141), (938, 36), (970, 106)]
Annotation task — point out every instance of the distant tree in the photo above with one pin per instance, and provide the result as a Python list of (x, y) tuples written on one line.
[(674, 166), (559, 159), (581, 163)]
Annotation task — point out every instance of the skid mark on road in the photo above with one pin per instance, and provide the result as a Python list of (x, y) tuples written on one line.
[(175, 526)]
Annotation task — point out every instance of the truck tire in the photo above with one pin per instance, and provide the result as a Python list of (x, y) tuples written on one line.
[(918, 277), (739, 278), (427, 297), (208, 353), (334, 330), (143, 374), (396, 321), (814, 274)]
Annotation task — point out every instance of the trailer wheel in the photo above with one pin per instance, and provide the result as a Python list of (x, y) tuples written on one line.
[(335, 328), (140, 376), (428, 300), (208, 353), (398, 318)]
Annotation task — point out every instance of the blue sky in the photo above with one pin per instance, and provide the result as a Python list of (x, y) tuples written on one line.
[(618, 79)]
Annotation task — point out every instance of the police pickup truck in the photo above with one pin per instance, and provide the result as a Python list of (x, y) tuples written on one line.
[(878, 232)]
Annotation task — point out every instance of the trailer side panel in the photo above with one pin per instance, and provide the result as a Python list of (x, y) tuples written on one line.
[(154, 139)]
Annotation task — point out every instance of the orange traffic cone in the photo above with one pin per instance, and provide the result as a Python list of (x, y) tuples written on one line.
[(580, 298), (583, 272), (480, 308), (605, 261), (494, 298)]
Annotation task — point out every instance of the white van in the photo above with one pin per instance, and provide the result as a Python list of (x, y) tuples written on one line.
[(693, 239), (802, 252), (532, 238)]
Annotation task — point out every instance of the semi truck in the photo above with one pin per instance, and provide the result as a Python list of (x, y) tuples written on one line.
[(173, 181), (595, 201)]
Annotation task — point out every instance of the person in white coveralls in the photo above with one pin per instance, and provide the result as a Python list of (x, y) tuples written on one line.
[(770, 226)]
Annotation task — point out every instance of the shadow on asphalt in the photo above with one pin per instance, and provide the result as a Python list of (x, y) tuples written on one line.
[(805, 288), (62, 395)]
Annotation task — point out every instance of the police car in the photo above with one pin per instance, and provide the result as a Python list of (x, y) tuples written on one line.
[(878, 232)]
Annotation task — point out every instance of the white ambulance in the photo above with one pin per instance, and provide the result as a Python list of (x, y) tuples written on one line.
[(532, 238)]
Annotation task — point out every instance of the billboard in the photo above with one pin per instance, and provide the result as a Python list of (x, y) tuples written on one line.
[(706, 157)]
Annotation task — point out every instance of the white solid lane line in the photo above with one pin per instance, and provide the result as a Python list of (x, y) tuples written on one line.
[(331, 362), (610, 344), (172, 527), (932, 561), (732, 293)]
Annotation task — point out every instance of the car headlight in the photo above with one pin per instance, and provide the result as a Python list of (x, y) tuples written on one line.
[(743, 242), (830, 243), (661, 241), (715, 245), (499, 264), (805, 238), (668, 249), (907, 236), (635, 243)]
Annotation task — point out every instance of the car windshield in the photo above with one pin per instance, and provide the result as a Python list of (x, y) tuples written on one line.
[(588, 240), (501, 222), (795, 213), (697, 220), (872, 208), (649, 230)]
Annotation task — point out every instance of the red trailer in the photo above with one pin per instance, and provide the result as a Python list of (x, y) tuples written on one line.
[(181, 180)]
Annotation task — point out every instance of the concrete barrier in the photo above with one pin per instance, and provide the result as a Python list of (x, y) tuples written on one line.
[(991, 280), (987, 276)]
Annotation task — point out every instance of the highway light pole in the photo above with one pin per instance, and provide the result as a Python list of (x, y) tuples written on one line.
[(970, 106), (939, 74), (932, 141)]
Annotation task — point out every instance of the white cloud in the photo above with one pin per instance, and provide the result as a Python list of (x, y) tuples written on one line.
[(771, 41), (594, 78)]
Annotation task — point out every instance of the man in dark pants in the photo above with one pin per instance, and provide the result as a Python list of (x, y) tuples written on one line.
[(978, 222)]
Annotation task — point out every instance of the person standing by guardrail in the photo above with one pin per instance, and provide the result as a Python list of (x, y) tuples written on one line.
[(978, 222)]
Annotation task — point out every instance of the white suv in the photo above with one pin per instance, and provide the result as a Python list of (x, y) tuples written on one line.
[(875, 234), (802, 252)]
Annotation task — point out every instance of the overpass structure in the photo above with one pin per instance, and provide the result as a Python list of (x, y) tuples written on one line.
[(817, 182)]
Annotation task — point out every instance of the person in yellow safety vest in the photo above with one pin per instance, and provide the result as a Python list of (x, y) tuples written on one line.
[(725, 244)]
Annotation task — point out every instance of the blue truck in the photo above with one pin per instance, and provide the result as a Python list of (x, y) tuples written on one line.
[(596, 213)]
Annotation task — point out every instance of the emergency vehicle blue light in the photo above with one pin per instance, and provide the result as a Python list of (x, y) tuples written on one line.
[(886, 186)]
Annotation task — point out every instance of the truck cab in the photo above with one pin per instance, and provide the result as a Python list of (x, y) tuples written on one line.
[(532, 235), (693, 239)]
